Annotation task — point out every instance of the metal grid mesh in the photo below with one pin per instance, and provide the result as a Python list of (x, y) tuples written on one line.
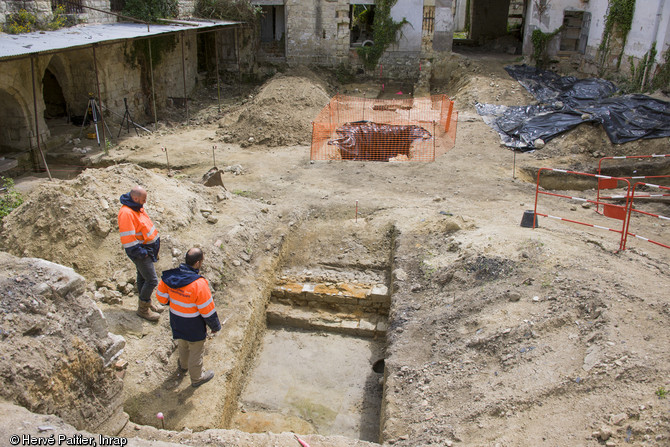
[(411, 129)]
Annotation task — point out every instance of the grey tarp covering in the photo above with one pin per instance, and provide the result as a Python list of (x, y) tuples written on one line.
[(566, 102)]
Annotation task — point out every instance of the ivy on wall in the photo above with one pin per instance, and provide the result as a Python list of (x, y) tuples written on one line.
[(384, 33), (541, 45), (618, 23), (662, 78)]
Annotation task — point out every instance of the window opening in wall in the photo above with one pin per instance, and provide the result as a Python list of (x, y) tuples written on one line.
[(70, 6), (361, 18), (575, 32), (273, 30), (428, 20), (427, 28)]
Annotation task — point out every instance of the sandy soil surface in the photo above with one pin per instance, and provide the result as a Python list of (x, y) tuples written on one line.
[(498, 334)]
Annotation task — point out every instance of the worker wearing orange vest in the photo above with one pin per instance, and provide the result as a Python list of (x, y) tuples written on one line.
[(191, 311), (140, 240)]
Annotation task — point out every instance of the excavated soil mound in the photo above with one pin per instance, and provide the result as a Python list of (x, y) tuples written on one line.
[(74, 222), (280, 115), (55, 346)]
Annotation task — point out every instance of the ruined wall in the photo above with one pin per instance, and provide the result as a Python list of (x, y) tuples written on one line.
[(402, 59), (651, 23), (56, 350), (120, 76), (317, 32)]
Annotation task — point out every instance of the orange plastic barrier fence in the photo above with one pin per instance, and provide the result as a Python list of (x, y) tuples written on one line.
[(617, 212), (411, 129)]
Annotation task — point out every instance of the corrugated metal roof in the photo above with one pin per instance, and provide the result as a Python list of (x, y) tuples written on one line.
[(13, 45)]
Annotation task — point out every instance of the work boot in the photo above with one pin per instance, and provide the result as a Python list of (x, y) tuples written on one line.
[(144, 311), (206, 377), (156, 307)]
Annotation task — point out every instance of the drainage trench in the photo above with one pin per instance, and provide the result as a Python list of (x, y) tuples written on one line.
[(319, 366)]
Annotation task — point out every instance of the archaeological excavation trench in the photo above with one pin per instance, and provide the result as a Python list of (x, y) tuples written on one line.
[(311, 359)]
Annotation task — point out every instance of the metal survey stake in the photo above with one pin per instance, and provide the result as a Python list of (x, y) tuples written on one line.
[(167, 159), (356, 211), (214, 155)]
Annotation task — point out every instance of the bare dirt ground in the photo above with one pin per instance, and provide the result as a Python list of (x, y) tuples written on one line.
[(498, 335)]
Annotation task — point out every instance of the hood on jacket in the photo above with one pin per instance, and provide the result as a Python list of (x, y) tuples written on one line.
[(180, 277), (125, 199)]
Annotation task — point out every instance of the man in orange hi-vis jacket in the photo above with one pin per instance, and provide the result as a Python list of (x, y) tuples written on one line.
[(139, 238), (191, 311)]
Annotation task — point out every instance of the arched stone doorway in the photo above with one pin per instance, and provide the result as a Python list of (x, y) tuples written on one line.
[(55, 105), (14, 124), (15, 133)]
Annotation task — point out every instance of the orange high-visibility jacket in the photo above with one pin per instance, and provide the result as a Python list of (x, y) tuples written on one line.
[(136, 229), (191, 305)]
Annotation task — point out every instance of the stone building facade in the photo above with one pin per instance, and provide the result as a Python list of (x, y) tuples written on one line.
[(322, 32)]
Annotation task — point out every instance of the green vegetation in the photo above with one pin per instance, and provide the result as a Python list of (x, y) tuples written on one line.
[(661, 392), (10, 198), (344, 75), (236, 10), (21, 22), (384, 33), (662, 79), (27, 22), (639, 76), (540, 45), (58, 19), (617, 25), (151, 10), (241, 193)]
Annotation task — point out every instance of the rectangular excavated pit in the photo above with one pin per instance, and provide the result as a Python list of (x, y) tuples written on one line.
[(313, 382), (320, 365)]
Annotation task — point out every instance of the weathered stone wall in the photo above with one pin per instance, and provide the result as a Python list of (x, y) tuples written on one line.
[(186, 8), (317, 32), (41, 8), (120, 76), (17, 113), (56, 350), (92, 16)]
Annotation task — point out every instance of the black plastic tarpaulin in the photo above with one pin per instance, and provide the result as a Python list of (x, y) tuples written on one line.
[(566, 101)]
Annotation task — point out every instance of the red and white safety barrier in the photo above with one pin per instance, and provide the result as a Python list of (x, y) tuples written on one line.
[(604, 184), (614, 211), (632, 209)]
